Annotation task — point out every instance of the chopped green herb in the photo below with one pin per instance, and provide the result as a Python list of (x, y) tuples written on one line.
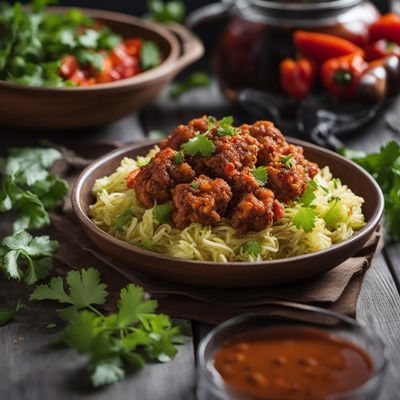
[(305, 219), (200, 144), (179, 157), (225, 127), (334, 212), (336, 183), (384, 166), (261, 175), (7, 314), (252, 248), (161, 212), (23, 256), (122, 219), (150, 56), (288, 161), (325, 189), (195, 185), (171, 11), (146, 244), (193, 81), (308, 195)]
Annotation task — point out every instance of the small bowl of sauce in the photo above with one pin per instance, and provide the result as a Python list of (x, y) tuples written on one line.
[(264, 358)]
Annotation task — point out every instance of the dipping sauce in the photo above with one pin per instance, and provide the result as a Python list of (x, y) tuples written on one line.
[(292, 363)]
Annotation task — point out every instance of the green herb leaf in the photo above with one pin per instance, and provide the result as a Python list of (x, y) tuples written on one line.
[(193, 81), (252, 248), (225, 127), (122, 219), (179, 157), (6, 315), (161, 212), (172, 11), (334, 213), (150, 56), (200, 144), (308, 195), (106, 372), (288, 161), (195, 185), (305, 219), (146, 244), (261, 175), (23, 256)]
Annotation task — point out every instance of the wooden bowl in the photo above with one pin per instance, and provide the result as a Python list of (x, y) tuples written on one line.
[(232, 274), (81, 107)]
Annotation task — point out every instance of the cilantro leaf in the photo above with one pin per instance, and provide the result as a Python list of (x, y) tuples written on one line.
[(23, 256), (261, 175), (150, 56), (333, 214), (308, 195), (122, 219), (179, 157), (106, 372), (146, 244), (172, 11), (384, 166), (252, 248), (225, 127), (161, 212), (305, 219), (85, 290), (200, 144), (7, 314), (195, 185), (288, 161), (195, 80)]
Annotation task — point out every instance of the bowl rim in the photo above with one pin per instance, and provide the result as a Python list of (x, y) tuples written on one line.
[(204, 367), (166, 67), (84, 219)]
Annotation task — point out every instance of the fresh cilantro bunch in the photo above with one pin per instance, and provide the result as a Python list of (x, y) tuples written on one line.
[(34, 41), (384, 166), (171, 11), (28, 187), (128, 337), (23, 256)]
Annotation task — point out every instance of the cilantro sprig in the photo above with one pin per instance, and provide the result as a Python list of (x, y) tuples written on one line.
[(200, 144), (308, 195), (161, 212), (126, 338), (27, 258), (288, 161), (28, 187), (252, 248), (261, 175), (384, 166), (150, 55), (305, 219)]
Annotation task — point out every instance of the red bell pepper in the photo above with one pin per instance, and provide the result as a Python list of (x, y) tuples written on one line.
[(297, 77), (387, 27), (380, 49), (320, 47), (340, 75)]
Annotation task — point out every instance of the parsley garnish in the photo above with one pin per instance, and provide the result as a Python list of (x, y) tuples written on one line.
[(161, 212), (200, 144), (195, 185), (308, 195), (122, 219), (128, 337), (7, 314), (149, 55), (193, 81), (23, 256), (305, 219), (260, 174), (29, 188), (252, 248), (171, 11), (384, 166), (179, 157), (225, 127), (288, 161)]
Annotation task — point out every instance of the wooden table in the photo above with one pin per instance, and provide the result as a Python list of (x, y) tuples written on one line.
[(31, 370)]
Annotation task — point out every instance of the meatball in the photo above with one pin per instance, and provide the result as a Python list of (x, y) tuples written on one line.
[(243, 182), (204, 201), (255, 211), (232, 154), (311, 168), (183, 133), (155, 180), (270, 138), (287, 180)]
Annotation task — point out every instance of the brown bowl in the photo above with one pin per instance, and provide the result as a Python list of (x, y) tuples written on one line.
[(80, 107), (232, 274)]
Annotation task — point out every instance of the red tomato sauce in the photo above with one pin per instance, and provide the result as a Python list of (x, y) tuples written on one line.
[(292, 363)]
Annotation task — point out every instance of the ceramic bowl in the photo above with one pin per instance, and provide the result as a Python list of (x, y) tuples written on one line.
[(232, 274), (81, 107)]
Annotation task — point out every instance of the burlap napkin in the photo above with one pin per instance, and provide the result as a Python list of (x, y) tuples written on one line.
[(337, 290)]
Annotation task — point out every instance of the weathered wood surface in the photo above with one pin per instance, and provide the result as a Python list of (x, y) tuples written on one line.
[(32, 370)]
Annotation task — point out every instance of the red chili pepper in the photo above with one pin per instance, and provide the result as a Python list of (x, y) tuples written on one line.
[(387, 27), (340, 75), (297, 77), (320, 47), (380, 49)]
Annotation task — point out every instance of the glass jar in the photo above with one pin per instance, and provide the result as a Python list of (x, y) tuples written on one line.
[(211, 386), (259, 34)]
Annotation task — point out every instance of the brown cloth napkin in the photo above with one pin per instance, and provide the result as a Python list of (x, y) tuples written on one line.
[(336, 290)]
